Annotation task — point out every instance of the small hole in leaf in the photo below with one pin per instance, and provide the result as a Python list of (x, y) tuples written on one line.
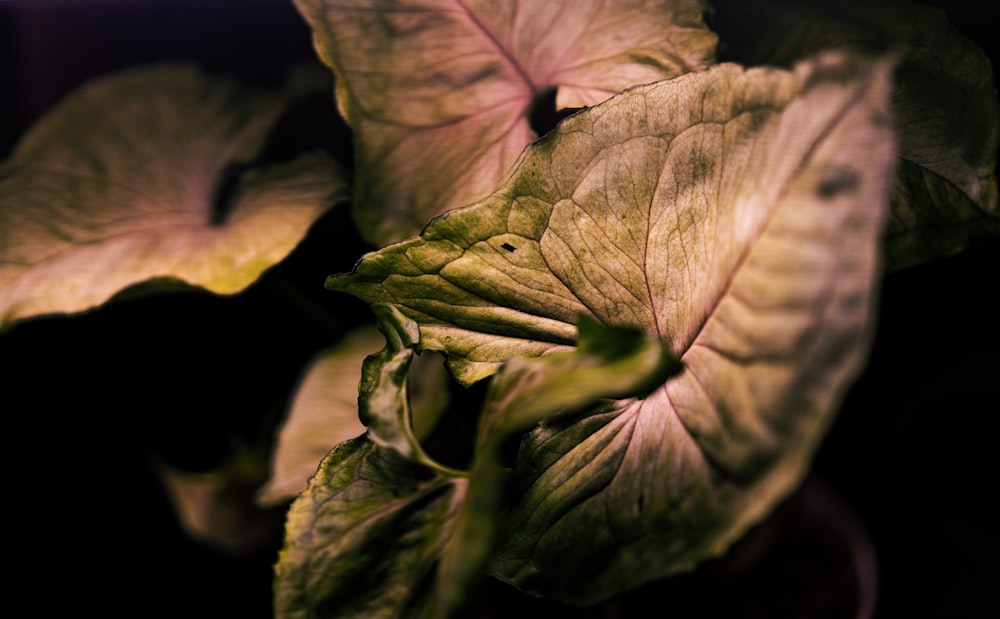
[(542, 114)]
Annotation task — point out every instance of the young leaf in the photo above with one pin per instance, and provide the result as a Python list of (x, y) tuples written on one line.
[(608, 362), (116, 186), (735, 214), (944, 101), (364, 536), (384, 393), (438, 92)]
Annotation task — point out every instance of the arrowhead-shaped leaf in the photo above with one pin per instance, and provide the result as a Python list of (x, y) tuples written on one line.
[(438, 92), (735, 214), (944, 101), (116, 186)]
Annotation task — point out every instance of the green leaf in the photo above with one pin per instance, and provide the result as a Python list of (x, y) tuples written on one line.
[(735, 213), (609, 363), (384, 392), (944, 101), (116, 186), (364, 536), (439, 92)]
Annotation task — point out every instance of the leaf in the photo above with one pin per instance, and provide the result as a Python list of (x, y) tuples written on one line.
[(455, 550), (735, 214), (364, 535), (117, 184), (217, 507), (608, 363), (324, 411), (323, 414), (438, 92), (384, 394), (944, 101)]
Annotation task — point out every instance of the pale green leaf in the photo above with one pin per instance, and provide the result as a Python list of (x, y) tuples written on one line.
[(735, 213), (438, 92), (323, 414), (364, 536), (117, 184), (384, 399), (944, 101), (608, 362)]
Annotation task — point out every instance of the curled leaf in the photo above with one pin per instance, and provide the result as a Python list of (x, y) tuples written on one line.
[(609, 363), (324, 410)]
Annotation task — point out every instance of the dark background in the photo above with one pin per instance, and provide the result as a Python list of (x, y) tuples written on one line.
[(909, 466)]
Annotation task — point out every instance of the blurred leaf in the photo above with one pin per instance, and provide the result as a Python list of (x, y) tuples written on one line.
[(944, 102), (217, 507), (439, 92), (121, 183)]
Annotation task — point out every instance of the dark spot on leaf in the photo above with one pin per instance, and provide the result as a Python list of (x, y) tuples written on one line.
[(508, 247), (837, 181)]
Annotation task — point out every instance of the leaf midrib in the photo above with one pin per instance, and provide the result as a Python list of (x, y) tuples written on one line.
[(504, 53)]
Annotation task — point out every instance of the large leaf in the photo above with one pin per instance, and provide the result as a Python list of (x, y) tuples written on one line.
[(118, 184), (944, 101), (734, 213), (438, 92)]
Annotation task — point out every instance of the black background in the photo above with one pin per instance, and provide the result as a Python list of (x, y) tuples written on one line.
[(86, 401)]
